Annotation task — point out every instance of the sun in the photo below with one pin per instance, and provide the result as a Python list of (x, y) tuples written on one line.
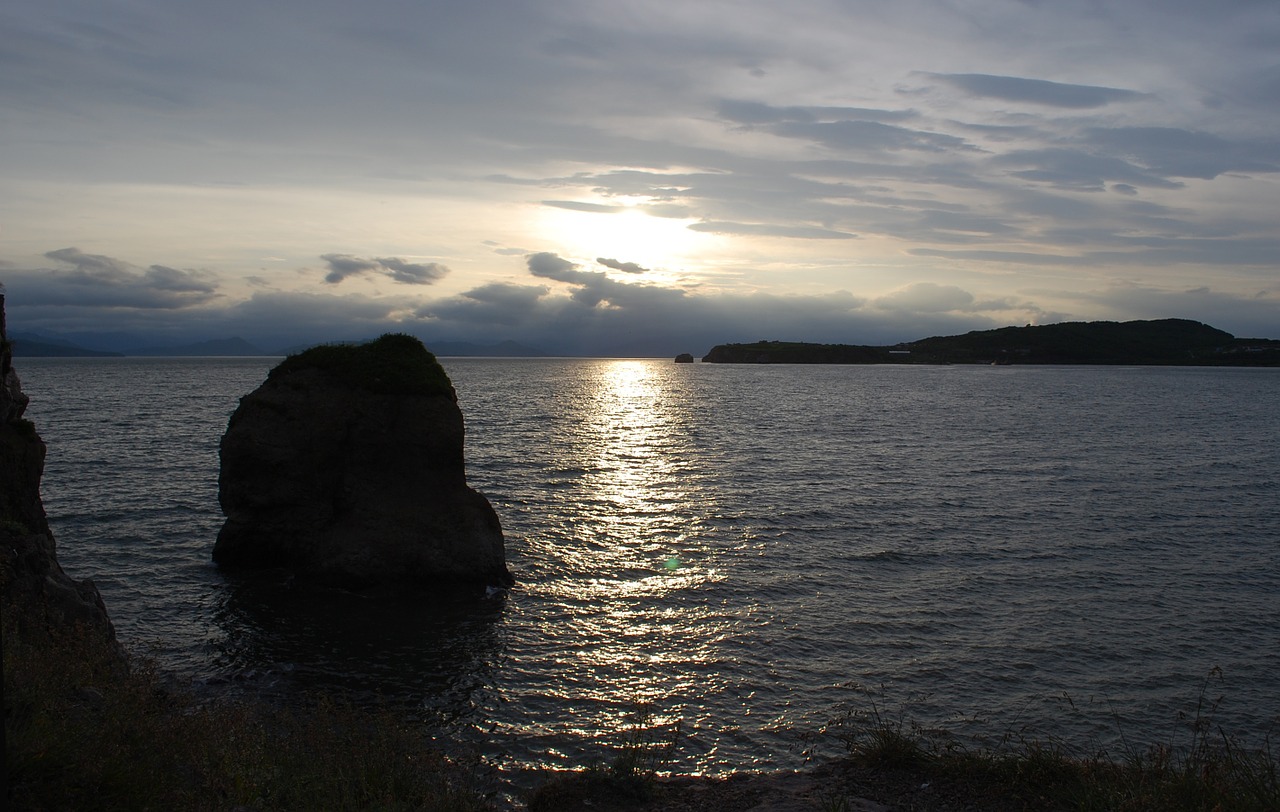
[(627, 234)]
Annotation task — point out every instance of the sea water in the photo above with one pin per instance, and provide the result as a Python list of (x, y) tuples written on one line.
[(1082, 553)]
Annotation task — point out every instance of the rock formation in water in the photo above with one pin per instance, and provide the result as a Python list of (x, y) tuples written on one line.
[(684, 358), (346, 467), (40, 601)]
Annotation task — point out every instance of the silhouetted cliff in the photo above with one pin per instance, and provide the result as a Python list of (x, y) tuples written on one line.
[(41, 603)]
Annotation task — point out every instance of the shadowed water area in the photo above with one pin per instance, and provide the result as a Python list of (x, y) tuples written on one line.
[(735, 545)]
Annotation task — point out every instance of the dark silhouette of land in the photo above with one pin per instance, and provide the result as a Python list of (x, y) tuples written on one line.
[(1174, 342)]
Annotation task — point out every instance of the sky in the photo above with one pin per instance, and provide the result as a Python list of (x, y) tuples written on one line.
[(635, 177)]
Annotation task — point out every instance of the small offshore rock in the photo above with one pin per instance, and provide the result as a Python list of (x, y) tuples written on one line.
[(346, 467)]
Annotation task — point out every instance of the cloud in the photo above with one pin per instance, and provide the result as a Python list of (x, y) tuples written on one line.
[(1186, 153), (1246, 316), (507, 295), (495, 304), (588, 313), (743, 111), (553, 266), (989, 255), (95, 280), (1036, 91), (674, 211), (926, 297), (748, 112), (594, 287), (161, 277), (92, 269), (342, 266), (1073, 169), (601, 316), (574, 205), (625, 267), (871, 135), (770, 230)]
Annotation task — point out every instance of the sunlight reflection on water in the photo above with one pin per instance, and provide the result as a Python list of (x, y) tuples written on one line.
[(636, 633)]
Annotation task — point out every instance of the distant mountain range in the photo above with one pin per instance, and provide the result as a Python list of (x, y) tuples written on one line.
[(218, 346), (31, 345), (41, 347), (1162, 341)]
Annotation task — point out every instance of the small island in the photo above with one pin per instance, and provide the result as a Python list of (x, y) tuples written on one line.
[(1172, 342)]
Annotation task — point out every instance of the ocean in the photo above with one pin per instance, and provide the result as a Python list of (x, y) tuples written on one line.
[(1088, 554)]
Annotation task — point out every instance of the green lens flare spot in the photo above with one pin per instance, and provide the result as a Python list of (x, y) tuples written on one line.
[(672, 563)]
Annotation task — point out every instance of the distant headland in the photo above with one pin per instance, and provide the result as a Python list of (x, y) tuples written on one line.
[(1172, 342)]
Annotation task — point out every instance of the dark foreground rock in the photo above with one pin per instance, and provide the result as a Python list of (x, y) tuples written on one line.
[(41, 603), (346, 467)]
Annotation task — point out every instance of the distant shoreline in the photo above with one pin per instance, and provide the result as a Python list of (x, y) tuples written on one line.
[(1164, 342)]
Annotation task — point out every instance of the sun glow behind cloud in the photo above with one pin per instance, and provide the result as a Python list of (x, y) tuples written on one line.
[(663, 247)]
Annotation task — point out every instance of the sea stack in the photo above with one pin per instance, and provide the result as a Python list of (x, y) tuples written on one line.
[(346, 467), (41, 603)]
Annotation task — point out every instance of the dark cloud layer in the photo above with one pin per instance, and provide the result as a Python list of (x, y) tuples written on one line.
[(601, 316), (572, 311), (98, 282)]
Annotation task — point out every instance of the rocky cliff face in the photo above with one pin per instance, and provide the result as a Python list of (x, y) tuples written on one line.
[(346, 466), (40, 601)]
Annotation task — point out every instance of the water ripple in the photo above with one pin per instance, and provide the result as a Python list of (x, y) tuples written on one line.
[(733, 547)]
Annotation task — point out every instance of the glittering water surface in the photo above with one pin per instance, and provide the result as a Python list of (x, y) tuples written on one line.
[(735, 546)]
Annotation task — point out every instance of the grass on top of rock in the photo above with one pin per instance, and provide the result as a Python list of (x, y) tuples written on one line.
[(395, 363)]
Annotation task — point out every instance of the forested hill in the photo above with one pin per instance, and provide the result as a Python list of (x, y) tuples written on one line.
[(1162, 341)]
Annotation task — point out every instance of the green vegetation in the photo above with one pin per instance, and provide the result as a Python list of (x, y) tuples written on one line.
[(393, 364), (84, 732)]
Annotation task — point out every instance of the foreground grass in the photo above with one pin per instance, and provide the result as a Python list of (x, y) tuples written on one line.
[(81, 732), (1211, 771), (908, 768)]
